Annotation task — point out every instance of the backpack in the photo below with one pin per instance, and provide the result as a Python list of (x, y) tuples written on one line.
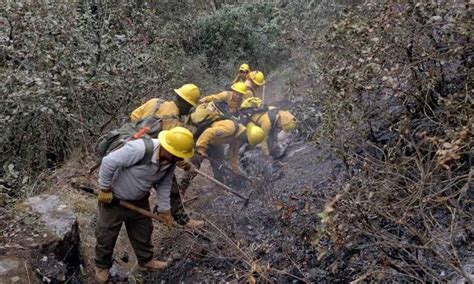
[(152, 121), (206, 114), (116, 138), (246, 114)]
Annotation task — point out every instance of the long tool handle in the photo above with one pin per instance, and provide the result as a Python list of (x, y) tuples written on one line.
[(127, 205), (228, 189), (141, 132), (227, 168), (142, 211)]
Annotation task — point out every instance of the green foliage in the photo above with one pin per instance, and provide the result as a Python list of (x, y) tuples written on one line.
[(72, 71), (240, 33)]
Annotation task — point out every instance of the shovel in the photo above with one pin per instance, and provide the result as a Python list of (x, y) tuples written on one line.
[(127, 205), (225, 187)]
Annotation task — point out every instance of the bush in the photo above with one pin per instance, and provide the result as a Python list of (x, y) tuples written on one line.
[(396, 110), (71, 72), (243, 33)]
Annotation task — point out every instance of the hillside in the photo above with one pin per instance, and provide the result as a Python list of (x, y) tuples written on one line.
[(376, 182)]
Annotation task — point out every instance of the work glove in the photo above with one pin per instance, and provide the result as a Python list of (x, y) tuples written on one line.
[(186, 165), (105, 195), (197, 160), (164, 216)]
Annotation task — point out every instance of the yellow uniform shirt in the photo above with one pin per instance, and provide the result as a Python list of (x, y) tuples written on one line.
[(233, 99), (167, 111), (220, 133), (263, 120)]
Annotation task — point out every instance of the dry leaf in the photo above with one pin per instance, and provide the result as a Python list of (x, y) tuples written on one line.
[(293, 197), (251, 279), (279, 205), (291, 209), (464, 135)]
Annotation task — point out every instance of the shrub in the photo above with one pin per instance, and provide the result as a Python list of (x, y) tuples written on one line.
[(396, 110), (240, 33)]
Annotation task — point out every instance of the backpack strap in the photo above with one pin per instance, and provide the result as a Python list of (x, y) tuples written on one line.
[(251, 89), (246, 114), (237, 127), (156, 107), (148, 151), (272, 114), (203, 125)]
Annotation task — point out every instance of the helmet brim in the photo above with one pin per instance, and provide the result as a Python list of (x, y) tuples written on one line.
[(184, 98), (170, 149), (234, 89)]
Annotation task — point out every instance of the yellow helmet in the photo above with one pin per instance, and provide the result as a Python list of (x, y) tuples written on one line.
[(251, 103), (189, 93), (244, 67), (287, 120), (257, 78), (255, 134), (239, 87), (179, 141)]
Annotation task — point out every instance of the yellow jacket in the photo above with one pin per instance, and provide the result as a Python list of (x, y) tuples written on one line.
[(252, 90), (167, 111), (233, 100), (263, 120), (220, 133)]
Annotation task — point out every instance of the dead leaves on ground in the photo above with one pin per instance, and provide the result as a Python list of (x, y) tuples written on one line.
[(448, 152)]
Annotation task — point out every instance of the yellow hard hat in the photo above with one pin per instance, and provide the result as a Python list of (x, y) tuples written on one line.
[(244, 67), (179, 141), (255, 134), (287, 120), (257, 78), (239, 87), (189, 93), (251, 102)]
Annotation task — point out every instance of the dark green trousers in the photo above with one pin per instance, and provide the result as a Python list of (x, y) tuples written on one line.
[(109, 222), (177, 208), (216, 158)]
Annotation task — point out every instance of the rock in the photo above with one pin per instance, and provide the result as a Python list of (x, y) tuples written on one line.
[(8, 264), (16, 270), (47, 247), (55, 215)]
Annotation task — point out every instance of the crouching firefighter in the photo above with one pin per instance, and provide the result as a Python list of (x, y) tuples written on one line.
[(255, 81), (271, 119), (163, 115), (129, 173), (214, 130), (244, 71), (233, 98), (158, 115)]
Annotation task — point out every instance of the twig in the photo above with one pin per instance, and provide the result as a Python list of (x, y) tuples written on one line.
[(190, 199), (27, 273)]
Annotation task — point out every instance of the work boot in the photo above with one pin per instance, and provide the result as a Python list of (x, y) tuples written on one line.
[(101, 274), (153, 265), (193, 224)]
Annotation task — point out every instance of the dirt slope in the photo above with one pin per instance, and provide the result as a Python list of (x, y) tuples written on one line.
[(267, 240)]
